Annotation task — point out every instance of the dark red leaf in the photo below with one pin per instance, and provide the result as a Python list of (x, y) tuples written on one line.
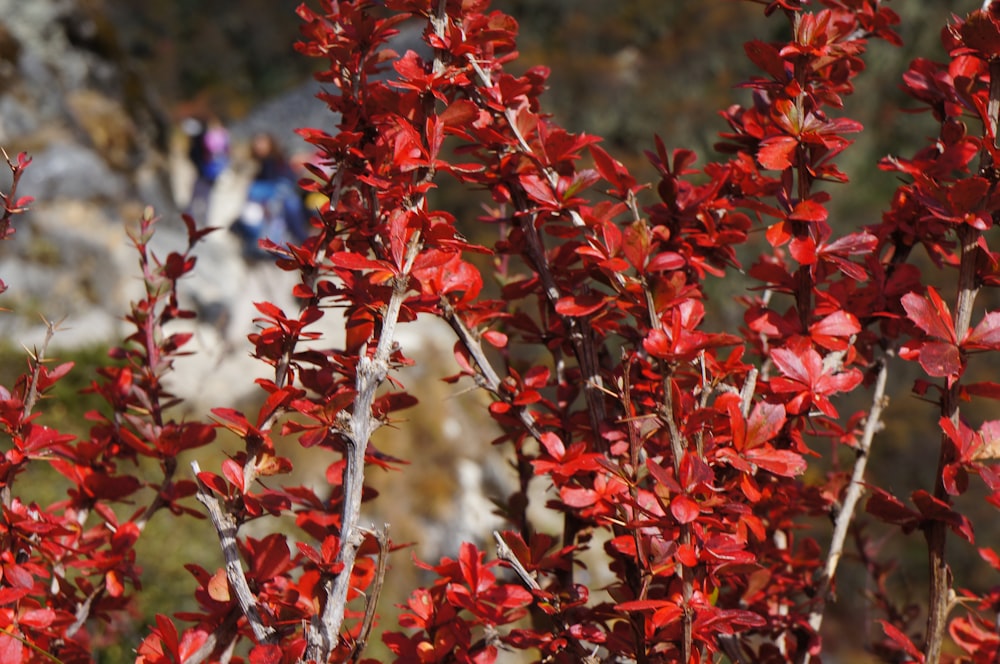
[(580, 305), (902, 640)]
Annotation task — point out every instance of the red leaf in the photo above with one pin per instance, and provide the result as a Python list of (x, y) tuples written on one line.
[(233, 473), (643, 604), (809, 210), (931, 316), (938, 510), (767, 57), (779, 462), (668, 615), (940, 359), (902, 640), (838, 324), (613, 171), (891, 510), (233, 420), (11, 650), (265, 654), (666, 260), (990, 556), (113, 583), (764, 424), (461, 112), (168, 634), (495, 339), (577, 497), (580, 305), (218, 586), (18, 576), (191, 642), (986, 335), (684, 509), (271, 557), (553, 445), (776, 153), (351, 261), (37, 618), (213, 482), (636, 244), (539, 190)]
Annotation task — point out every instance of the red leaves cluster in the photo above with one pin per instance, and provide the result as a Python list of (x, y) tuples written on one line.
[(72, 563)]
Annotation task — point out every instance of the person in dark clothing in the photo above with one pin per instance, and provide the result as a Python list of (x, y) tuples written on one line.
[(208, 150)]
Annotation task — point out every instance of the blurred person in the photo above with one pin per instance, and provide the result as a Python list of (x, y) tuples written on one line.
[(273, 208), (208, 150)]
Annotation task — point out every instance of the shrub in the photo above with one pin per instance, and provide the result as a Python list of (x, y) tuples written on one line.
[(696, 458)]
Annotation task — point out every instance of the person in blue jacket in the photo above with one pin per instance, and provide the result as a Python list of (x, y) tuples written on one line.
[(273, 208)]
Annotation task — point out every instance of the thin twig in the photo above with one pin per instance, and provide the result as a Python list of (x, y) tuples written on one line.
[(83, 611), (855, 489), (225, 527), (488, 376), (382, 537), (506, 554), (17, 637), (749, 389), (31, 398)]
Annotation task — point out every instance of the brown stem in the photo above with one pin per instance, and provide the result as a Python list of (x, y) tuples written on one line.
[(580, 334), (382, 537), (855, 489), (941, 593), (39, 358), (30, 398), (506, 554), (677, 448), (488, 378)]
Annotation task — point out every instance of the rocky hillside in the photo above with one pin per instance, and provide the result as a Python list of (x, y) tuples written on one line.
[(97, 138), (100, 139)]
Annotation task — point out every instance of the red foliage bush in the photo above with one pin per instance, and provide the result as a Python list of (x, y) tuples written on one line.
[(686, 448)]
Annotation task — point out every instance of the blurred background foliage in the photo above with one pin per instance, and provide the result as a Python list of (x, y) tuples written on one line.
[(624, 70)]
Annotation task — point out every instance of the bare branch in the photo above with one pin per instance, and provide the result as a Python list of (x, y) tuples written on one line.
[(855, 489), (382, 537), (225, 527), (488, 376), (505, 554), (31, 398)]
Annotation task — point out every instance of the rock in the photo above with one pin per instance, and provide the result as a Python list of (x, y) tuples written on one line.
[(71, 171)]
